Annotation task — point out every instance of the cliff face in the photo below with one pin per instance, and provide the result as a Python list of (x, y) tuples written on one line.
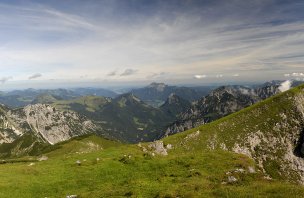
[(45, 122)]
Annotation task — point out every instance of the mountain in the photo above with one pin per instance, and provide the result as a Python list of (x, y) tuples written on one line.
[(224, 101), (256, 152), (44, 98), (156, 93), (175, 105), (125, 118), (41, 123), (94, 92), (21, 98)]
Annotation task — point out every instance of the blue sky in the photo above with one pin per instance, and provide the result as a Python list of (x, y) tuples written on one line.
[(119, 41)]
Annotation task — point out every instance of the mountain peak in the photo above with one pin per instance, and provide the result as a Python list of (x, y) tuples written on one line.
[(158, 86), (128, 97)]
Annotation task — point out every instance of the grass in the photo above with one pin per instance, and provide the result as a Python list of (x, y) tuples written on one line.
[(115, 174)]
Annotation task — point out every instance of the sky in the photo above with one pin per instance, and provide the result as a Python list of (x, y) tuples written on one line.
[(104, 42)]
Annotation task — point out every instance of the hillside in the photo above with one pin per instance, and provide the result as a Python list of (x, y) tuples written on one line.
[(256, 152), (225, 100)]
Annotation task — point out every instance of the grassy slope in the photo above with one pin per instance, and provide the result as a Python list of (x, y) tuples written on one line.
[(190, 169), (184, 174)]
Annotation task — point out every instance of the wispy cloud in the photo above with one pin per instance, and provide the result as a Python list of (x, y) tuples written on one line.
[(37, 75), (5, 79), (158, 75), (129, 72), (112, 73), (95, 38)]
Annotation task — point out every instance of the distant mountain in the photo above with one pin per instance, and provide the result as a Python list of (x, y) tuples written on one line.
[(20, 98), (44, 99), (175, 105), (157, 93), (224, 101), (94, 92)]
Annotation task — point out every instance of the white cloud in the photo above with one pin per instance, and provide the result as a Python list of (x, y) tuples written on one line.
[(200, 76), (297, 74), (236, 75), (219, 75), (285, 86)]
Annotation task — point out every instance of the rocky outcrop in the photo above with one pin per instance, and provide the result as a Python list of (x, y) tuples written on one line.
[(47, 123), (51, 124)]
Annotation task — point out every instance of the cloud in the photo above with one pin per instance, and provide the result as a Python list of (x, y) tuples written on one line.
[(5, 79), (37, 75), (236, 75), (129, 72), (200, 76), (158, 75), (219, 75), (91, 38), (285, 86), (112, 73), (297, 74)]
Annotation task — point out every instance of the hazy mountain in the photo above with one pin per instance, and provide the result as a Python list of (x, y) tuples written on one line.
[(20, 98), (157, 93)]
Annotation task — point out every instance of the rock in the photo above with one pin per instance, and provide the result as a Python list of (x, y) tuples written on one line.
[(192, 135), (232, 179), (169, 146), (158, 147), (71, 196), (78, 162), (43, 158), (251, 169), (267, 177), (239, 170)]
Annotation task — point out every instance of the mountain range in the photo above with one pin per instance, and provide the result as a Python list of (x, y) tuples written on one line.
[(223, 101), (255, 152), (50, 119)]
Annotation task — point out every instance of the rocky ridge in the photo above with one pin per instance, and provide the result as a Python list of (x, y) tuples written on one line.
[(222, 102), (44, 121)]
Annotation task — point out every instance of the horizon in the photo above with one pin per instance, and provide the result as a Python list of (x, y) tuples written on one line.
[(133, 43), (135, 85)]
